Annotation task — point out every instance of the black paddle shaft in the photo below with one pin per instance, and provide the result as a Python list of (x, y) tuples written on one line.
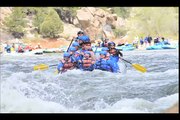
[(52, 65), (70, 45), (126, 61)]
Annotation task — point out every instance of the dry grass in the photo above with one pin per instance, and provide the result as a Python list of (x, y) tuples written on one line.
[(47, 43)]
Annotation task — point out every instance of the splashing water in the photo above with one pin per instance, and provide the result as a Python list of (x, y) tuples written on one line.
[(25, 90)]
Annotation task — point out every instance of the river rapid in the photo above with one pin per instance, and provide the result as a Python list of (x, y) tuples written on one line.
[(24, 90)]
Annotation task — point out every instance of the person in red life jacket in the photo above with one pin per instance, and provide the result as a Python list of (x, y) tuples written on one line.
[(87, 47), (66, 63), (28, 48), (105, 43), (20, 49), (87, 64)]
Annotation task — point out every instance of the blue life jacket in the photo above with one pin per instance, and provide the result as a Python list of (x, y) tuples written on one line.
[(114, 65), (102, 64), (73, 58), (114, 58), (77, 60), (8, 48), (60, 65), (141, 41)]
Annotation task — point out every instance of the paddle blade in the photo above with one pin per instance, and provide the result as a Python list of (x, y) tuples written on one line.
[(41, 67), (139, 67)]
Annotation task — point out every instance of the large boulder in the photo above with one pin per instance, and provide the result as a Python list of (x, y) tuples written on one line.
[(100, 13), (120, 22), (84, 18), (92, 20), (111, 20), (69, 31), (92, 32)]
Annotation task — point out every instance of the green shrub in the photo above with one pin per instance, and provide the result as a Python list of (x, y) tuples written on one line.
[(52, 25)]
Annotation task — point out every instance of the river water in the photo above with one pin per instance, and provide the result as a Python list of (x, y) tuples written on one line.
[(25, 90)]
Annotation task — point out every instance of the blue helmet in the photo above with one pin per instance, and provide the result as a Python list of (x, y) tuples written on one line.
[(84, 38), (72, 49), (103, 53), (75, 44), (104, 49), (66, 54), (87, 52), (81, 38)]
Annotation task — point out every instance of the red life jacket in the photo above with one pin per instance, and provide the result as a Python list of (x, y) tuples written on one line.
[(87, 62), (67, 65)]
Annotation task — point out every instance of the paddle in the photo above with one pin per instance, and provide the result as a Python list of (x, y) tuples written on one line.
[(44, 66), (136, 66)]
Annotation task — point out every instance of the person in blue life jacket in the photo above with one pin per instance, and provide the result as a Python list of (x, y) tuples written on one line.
[(107, 50), (81, 41), (106, 65), (149, 39), (146, 41), (72, 51), (66, 63), (141, 41), (8, 48), (78, 57), (79, 33), (87, 63), (76, 45), (165, 41), (115, 53), (108, 57)]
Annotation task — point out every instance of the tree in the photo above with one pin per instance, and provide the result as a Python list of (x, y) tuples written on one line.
[(67, 14), (123, 12), (52, 25), (16, 22), (40, 15)]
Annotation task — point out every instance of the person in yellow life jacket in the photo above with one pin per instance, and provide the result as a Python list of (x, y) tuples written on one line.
[(66, 63), (87, 63)]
